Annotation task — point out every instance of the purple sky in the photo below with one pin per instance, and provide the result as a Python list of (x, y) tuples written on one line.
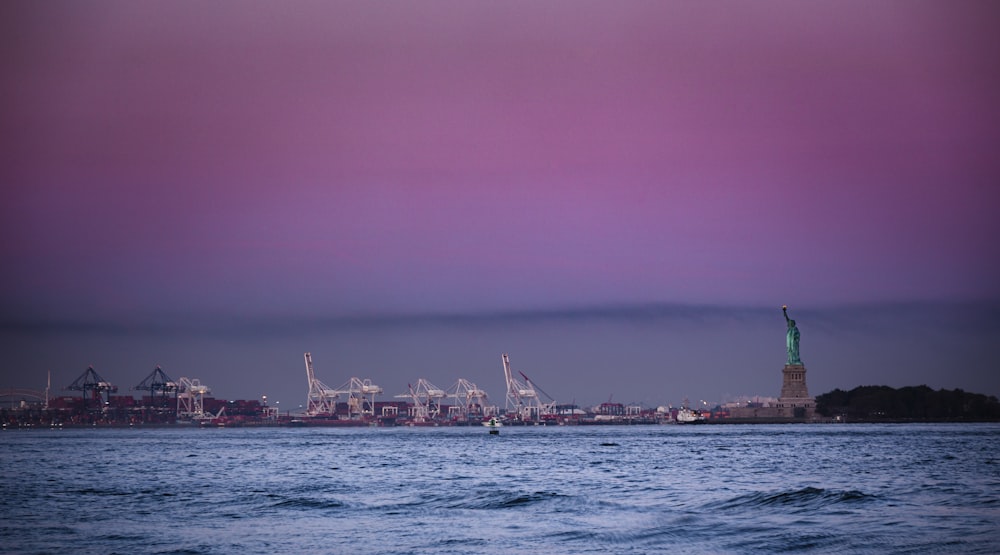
[(409, 189)]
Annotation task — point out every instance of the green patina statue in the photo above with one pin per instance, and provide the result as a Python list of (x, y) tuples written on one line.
[(791, 338)]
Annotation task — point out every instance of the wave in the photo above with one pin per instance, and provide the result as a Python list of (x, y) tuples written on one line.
[(506, 500), (308, 504), (503, 499), (480, 500), (805, 498)]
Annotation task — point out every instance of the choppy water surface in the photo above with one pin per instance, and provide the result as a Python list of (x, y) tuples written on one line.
[(703, 489)]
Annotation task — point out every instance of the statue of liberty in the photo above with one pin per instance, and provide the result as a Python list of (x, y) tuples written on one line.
[(791, 338)]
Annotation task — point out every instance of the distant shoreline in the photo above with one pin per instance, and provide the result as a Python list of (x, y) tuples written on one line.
[(713, 422)]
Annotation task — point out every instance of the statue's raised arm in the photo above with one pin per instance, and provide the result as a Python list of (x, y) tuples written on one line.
[(784, 310)]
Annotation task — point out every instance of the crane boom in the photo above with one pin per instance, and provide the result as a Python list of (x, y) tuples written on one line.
[(310, 374)]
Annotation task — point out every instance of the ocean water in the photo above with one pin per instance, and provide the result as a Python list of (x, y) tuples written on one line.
[(854, 488)]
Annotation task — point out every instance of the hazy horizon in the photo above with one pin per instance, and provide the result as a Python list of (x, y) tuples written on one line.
[(651, 355)]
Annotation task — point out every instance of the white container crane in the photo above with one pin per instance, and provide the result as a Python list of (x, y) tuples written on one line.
[(322, 400), (522, 397)]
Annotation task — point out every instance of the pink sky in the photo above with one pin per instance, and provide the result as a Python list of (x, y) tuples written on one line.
[(331, 158), (466, 155)]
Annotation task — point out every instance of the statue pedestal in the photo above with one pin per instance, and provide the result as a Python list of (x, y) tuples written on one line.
[(793, 384), (795, 401)]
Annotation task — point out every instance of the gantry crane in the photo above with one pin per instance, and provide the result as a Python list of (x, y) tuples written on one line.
[(522, 398), (470, 401), (322, 399), (360, 397), (426, 399), (93, 386), (160, 383), (190, 399)]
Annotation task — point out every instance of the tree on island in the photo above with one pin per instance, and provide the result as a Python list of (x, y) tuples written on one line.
[(879, 402)]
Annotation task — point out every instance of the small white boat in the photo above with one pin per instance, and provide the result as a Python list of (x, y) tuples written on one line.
[(493, 424)]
